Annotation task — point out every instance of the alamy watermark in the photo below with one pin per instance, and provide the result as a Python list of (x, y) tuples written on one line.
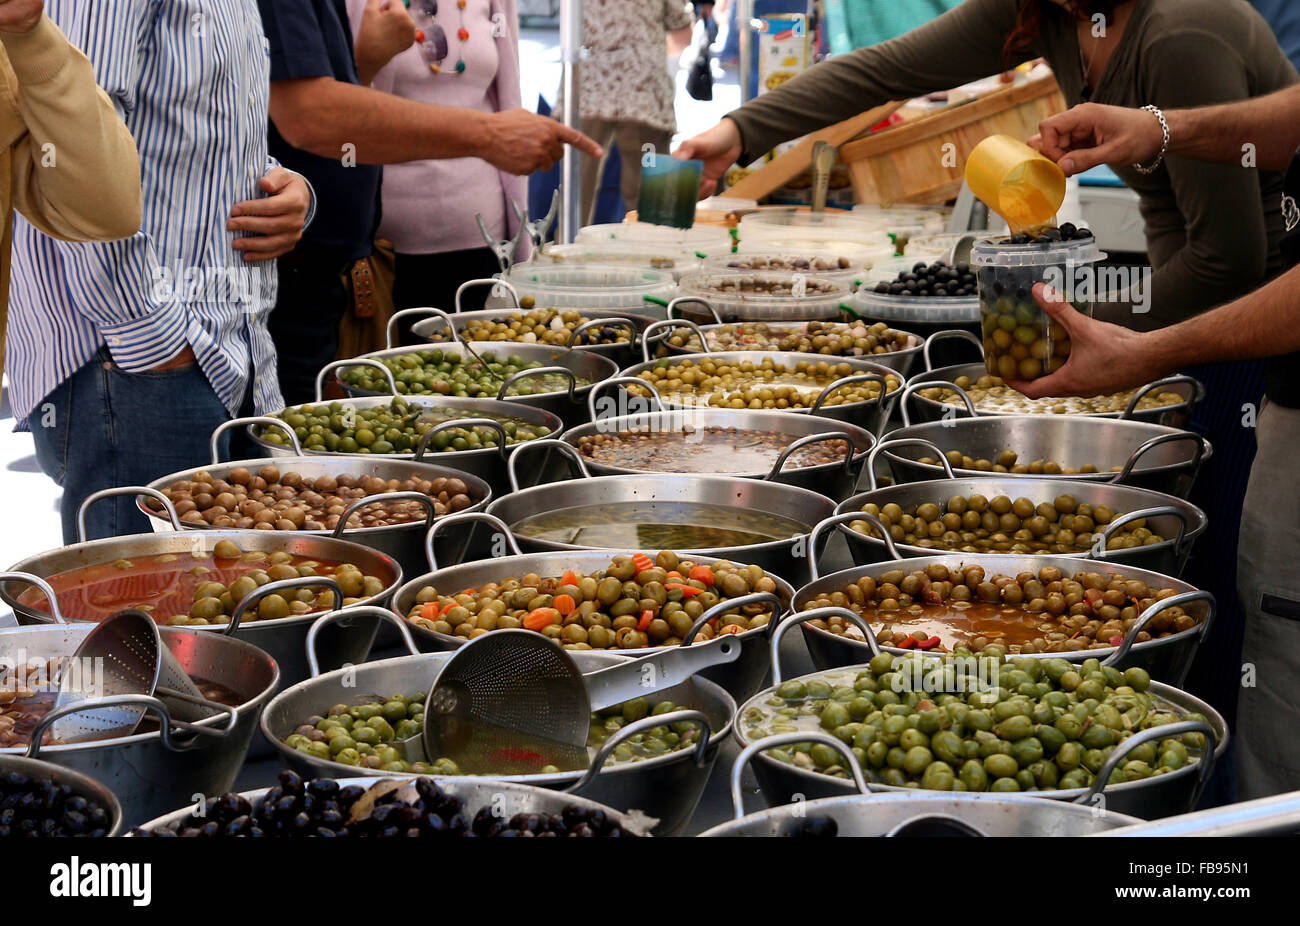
[(1097, 285)]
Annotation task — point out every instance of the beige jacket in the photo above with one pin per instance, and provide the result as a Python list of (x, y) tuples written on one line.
[(67, 163)]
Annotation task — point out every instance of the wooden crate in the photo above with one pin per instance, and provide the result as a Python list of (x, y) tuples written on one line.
[(910, 163)]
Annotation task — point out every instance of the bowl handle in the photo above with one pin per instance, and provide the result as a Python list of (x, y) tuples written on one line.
[(734, 604), (699, 300), (904, 442), (383, 499), (1099, 551), (391, 328), (486, 281), (539, 371), (604, 323), (948, 335), (124, 490), (29, 579), (148, 703), (1094, 795), (452, 424), (500, 526), (313, 662), (1173, 601), (358, 362), (1198, 391), (913, 388), (512, 470), (814, 439), (804, 617), (282, 585), (849, 381), (645, 723), (214, 443), (1137, 454), (626, 381), (789, 739), (666, 325), (845, 517)]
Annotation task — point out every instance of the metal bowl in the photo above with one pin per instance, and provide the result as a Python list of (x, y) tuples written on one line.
[(488, 464), (566, 404), (666, 787), (1179, 521), (507, 798), (434, 328), (1174, 416), (1166, 658), (81, 784), (156, 771), (917, 813), (740, 678), (283, 638), (870, 415), (834, 480), (403, 542), (785, 557), (900, 361), (1150, 456), (1159, 796)]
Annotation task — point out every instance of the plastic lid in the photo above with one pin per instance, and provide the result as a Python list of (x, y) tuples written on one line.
[(669, 258), (751, 306), (1000, 252), (701, 238), (884, 307), (903, 220), (589, 286), (730, 264)]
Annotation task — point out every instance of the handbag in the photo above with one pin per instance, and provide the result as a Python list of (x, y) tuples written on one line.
[(699, 82), (364, 326)]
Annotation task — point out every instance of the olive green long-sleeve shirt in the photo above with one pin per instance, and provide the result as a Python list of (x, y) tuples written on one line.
[(1212, 230)]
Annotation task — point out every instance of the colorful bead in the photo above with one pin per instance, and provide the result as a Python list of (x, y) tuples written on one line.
[(460, 3), (419, 35), (433, 67), (460, 67), (462, 33)]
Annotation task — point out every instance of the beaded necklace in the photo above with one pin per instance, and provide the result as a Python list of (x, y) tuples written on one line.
[(433, 40)]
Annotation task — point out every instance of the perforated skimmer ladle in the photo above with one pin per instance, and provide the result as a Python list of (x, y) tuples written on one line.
[(516, 688), (124, 655)]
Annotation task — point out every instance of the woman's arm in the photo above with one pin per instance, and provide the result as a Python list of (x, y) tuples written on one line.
[(76, 172), (962, 45)]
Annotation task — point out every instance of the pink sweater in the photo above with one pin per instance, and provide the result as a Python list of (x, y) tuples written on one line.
[(429, 206)]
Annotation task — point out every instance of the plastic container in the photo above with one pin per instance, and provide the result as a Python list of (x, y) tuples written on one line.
[(669, 259), (725, 299), (710, 239), (916, 313), (1015, 181), (1020, 340), (817, 263), (903, 223), (589, 286), (779, 229), (931, 247)]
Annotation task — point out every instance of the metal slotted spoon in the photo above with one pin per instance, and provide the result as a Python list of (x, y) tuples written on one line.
[(129, 651), (513, 689)]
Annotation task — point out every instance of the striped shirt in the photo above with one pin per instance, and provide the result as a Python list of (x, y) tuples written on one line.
[(191, 80)]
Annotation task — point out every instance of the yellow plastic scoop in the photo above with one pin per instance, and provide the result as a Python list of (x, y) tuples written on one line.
[(1015, 181)]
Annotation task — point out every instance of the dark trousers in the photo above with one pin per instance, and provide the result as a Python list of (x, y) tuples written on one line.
[(314, 295), (104, 428), (432, 280)]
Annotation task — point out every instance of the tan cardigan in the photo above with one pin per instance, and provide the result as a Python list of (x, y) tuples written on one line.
[(67, 162)]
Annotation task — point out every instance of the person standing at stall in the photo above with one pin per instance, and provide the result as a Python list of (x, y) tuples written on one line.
[(1265, 323), (124, 357), (337, 132), (625, 93), (1212, 230), (464, 55)]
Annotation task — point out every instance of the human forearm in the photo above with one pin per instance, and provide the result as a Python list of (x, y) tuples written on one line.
[(76, 170), (1269, 124)]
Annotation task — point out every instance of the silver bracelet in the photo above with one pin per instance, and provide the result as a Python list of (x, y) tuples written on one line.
[(1164, 143)]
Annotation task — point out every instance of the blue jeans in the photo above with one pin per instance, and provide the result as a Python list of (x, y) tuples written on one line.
[(103, 428)]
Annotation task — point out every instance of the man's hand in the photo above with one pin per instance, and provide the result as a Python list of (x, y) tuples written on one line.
[(1092, 134), (521, 142), (718, 148), (1104, 358), (20, 15), (273, 224), (386, 31)]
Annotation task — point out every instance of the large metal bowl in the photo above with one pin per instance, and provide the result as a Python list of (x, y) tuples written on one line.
[(785, 557), (1159, 796), (403, 542), (666, 787), (157, 771), (1166, 658), (1150, 456), (566, 404), (871, 414), (434, 329), (1174, 416), (740, 678), (834, 480), (282, 639), (1178, 521), (488, 464), (916, 813), (81, 784), (507, 798)]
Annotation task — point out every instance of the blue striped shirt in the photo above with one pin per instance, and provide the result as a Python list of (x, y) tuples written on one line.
[(191, 80)]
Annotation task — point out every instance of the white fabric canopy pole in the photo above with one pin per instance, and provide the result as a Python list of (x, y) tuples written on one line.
[(570, 166)]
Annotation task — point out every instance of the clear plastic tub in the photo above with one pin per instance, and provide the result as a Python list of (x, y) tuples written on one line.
[(903, 222), (710, 239), (915, 311), (590, 286), (670, 259), (1020, 340), (800, 296), (847, 268), (826, 230), (931, 247)]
